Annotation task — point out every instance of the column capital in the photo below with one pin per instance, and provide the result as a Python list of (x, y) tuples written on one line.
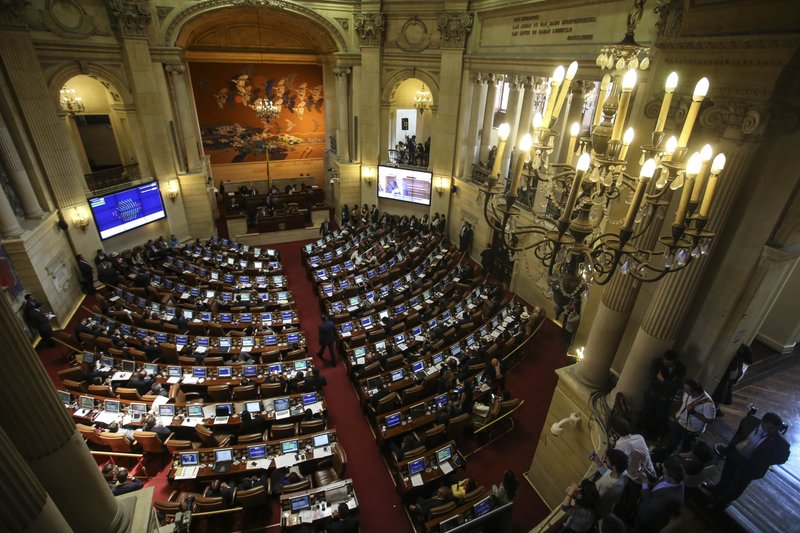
[(514, 81), (177, 69), (370, 27), (454, 27), (733, 118), (342, 72), (130, 18)]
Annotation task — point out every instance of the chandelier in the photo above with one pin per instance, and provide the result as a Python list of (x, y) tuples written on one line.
[(266, 109), (423, 99), (573, 234), (626, 54), (70, 102)]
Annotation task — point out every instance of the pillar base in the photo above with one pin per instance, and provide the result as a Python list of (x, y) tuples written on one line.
[(562, 460)]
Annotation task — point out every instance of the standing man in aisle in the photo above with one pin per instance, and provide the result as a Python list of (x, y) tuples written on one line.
[(327, 338), (87, 274)]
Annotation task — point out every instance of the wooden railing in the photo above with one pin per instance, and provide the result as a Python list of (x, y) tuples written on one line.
[(111, 177)]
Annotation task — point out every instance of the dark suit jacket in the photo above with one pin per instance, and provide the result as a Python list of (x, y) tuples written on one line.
[(128, 486), (658, 507), (335, 525), (327, 332), (771, 451), (87, 272)]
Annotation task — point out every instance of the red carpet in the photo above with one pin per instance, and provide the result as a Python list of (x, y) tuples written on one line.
[(533, 380)]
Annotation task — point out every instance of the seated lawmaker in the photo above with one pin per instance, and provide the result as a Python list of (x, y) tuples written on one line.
[(342, 521), (125, 484)]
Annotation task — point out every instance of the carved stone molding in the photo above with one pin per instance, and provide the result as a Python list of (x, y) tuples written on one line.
[(163, 11), (344, 23), (177, 69), (414, 36), (670, 17), (454, 27), (130, 18), (370, 27), (735, 118), (68, 19), (341, 72), (12, 13)]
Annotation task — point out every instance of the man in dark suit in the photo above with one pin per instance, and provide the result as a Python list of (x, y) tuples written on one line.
[(327, 338), (124, 484), (325, 228), (87, 274), (756, 445), (663, 501), (314, 382), (342, 521), (41, 323), (141, 382)]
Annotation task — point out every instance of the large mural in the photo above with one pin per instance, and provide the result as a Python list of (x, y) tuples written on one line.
[(226, 95)]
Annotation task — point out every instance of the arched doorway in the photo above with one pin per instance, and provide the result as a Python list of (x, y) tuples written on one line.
[(410, 121)]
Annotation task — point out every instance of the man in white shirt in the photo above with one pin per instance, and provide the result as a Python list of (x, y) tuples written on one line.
[(611, 482), (640, 466), (696, 411)]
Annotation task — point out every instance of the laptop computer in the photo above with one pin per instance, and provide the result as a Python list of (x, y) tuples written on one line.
[(223, 459)]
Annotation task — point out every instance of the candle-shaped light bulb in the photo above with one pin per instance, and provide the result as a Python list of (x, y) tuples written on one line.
[(669, 88), (525, 144), (669, 148), (645, 174), (571, 70), (700, 91), (627, 139), (502, 134), (580, 169), (716, 167), (555, 83), (537, 121), (692, 168), (705, 154), (562, 94), (672, 82), (575, 129), (718, 164), (628, 82), (503, 130), (601, 95)]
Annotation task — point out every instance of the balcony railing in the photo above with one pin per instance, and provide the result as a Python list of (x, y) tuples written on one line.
[(112, 177)]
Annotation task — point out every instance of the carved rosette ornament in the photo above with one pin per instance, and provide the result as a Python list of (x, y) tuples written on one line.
[(370, 28), (130, 18), (454, 27)]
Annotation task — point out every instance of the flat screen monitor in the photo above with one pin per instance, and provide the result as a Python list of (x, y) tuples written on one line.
[(443, 455), (161, 337), (397, 375), (300, 504), (194, 410), (450, 523), (202, 341), (223, 456), (417, 466), (360, 351), (380, 346), (127, 209), (107, 361), (393, 420), (187, 314), (198, 371), (483, 506), (257, 452), (181, 339), (419, 365), (88, 358), (248, 342), (140, 408), (190, 459), (437, 358), (225, 317), (347, 327), (174, 371), (301, 365), (270, 340), (129, 366), (245, 317), (224, 342), (416, 331), (250, 371), (64, 397), (151, 368), (455, 349), (253, 407), (86, 402), (266, 317), (287, 316), (275, 367), (366, 322), (440, 400), (320, 441), (281, 404), (309, 398), (167, 409), (289, 446), (223, 409), (293, 338)]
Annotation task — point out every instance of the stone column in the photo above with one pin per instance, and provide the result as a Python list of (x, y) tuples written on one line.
[(526, 108), (47, 130), (471, 146), (188, 125), (675, 294), (616, 306), (492, 80), (9, 225), (132, 136), (19, 177), (25, 505), (512, 114), (42, 432), (342, 113)]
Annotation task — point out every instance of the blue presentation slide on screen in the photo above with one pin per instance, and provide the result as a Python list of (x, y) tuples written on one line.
[(404, 185), (125, 210)]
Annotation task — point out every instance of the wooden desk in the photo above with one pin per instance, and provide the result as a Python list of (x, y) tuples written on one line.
[(433, 470), (320, 508), (279, 222)]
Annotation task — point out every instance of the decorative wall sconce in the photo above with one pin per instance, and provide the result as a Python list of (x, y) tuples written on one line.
[(80, 220), (441, 185), (369, 176), (172, 190), (558, 428)]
